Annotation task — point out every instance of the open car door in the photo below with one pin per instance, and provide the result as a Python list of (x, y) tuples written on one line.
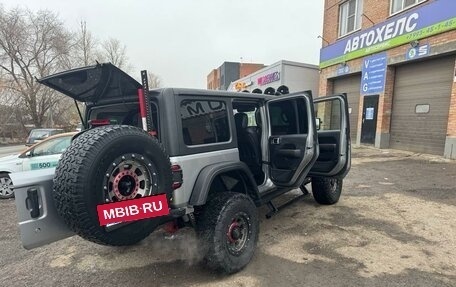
[(292, 141), (333, 130)]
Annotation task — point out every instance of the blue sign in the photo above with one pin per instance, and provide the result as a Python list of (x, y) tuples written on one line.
[(418, 23), (374, 73), (418, 52)]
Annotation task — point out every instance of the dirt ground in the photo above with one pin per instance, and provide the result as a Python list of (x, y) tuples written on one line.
[(395, 225)]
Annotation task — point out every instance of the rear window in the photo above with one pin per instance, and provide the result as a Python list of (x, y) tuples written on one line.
[(204, 122), (124, 114)]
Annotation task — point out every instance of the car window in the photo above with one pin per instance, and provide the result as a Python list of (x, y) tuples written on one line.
[(329, 113), (126, 116), (283, 118), (53, 146), (204, 122), (288, 117)]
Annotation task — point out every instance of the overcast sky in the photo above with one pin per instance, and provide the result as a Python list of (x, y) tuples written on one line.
[(183, 40)]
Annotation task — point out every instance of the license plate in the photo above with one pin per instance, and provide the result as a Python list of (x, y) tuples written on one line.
[(133, 209)]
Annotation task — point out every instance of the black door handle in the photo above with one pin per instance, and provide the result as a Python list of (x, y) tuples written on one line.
[(32, 202)]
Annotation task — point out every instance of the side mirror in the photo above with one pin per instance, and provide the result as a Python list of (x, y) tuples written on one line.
[(29, 153), (318, 123)]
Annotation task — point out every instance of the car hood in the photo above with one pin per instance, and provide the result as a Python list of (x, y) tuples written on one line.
[(9, 158), (93, 83)]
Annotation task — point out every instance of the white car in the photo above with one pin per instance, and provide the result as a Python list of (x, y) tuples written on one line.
[(45, 154)]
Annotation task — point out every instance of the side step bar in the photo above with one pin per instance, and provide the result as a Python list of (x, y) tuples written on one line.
[(273, 210)]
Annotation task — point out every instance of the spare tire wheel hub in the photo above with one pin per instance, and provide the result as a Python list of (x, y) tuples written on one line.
[(130, 176), (126, 184)]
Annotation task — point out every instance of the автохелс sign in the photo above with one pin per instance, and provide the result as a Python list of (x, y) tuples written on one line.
[(431, 19)]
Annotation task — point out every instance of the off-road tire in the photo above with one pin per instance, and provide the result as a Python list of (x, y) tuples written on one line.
[(78, 182), (215, 221), (6, 180), (326, 190)]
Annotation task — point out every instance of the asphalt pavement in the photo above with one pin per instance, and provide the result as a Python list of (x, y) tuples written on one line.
[(393, 226)]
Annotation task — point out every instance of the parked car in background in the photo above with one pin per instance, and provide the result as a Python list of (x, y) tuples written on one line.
[(37, 135), (45, 154)]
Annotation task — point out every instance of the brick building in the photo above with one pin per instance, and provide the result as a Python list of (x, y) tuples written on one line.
[(213, 80), (221, 78), (396, 60)]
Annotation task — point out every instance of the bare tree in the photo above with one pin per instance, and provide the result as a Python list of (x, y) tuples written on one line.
[(32, 45), (115, 52), (8, 105), (86, 46), (154, 80)]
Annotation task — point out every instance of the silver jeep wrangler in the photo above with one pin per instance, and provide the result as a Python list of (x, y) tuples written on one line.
[(214, 156)]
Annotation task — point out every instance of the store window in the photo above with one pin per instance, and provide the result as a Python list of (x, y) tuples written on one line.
[(400, 5), (204, 122), (350, 16)]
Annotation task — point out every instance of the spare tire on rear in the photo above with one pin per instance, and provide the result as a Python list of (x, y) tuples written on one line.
[(108, 164)]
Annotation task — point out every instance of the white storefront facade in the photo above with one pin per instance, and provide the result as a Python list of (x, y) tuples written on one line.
[(293, 76)]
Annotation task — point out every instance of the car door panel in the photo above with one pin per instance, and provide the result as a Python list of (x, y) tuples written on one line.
[(286, 156), (334, 158), (328, 142), (40, 162), (292, 139)]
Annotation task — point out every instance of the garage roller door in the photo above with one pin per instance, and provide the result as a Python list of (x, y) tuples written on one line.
[(351, 86), (428, 85)]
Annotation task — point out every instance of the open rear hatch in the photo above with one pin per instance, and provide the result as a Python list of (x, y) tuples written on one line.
[(93, 83)]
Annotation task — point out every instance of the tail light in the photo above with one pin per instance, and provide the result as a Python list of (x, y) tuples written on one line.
[(101, 122), (177, 176)]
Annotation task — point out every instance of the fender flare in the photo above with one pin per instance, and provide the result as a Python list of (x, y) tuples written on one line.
[(209, 173)]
